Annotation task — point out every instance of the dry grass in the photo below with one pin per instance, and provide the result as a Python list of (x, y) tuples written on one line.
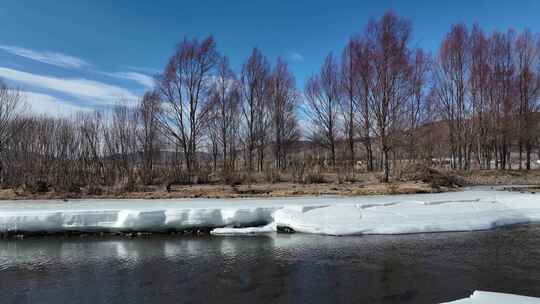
[(411, 181), (8, 194), (501, 177), (284, 189)]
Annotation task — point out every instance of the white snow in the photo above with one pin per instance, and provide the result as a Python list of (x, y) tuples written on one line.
[(132, 219), (483, 297), (456, 211), (269, 228), (399, 218), (143, 215)]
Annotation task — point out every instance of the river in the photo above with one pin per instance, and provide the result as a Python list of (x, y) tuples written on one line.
[(275, 268)]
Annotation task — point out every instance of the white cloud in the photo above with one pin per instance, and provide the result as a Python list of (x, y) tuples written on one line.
[(90, 90), (52, 58), (296, 57), (68, 61), (142, 79), (151, 71), (49, 105)]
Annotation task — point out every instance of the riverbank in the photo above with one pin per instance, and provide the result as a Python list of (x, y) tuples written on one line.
[(415, 180), (468, 210), (259, 190), (500, 177)]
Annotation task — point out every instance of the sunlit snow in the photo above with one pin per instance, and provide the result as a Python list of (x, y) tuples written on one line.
[(456, 211), (482, 297)]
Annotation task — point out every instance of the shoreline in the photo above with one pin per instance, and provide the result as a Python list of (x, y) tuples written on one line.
[(467, 210), (220, 191), (366, 184), (207, 232)]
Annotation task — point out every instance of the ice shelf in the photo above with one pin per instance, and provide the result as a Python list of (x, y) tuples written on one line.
[(483, 297), (456, 211)]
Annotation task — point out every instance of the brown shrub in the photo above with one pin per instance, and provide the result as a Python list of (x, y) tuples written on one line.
[(426, 174)]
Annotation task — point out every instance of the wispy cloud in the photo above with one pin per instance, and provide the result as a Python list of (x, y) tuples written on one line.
[(142, 79), (39, 103), (146, 70), (294, 56), (68, 61), (52, 58), (93, 91)]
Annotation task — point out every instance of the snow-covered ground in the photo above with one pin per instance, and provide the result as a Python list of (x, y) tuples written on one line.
[(456, 211), (482, 297)]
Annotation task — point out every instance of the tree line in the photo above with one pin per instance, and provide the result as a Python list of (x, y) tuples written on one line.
[(379, 102)]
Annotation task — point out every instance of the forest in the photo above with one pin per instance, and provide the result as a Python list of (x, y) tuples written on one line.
[(378, 104)]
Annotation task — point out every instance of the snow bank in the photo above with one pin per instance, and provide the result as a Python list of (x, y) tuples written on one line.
[(482, 297), (399, 218), (132, 219), (144, 215), (243, 231), (457, 211)]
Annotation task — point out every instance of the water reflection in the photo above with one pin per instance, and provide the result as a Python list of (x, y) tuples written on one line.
[(428, 268)]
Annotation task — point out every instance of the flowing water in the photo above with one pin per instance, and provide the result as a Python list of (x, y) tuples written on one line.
[(422, 268)]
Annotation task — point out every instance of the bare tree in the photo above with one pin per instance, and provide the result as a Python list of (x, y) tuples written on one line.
[(225, 116), (323, 96), (364, 53), (184, 87), (451, 81), (121, 144), (416, 104), (11, 108), (390, 87), (352, 85), (91, 127), (283, 98), (65, 152), (479, 95), (148, 134), (254, 81), (528, 83), (501, 94)]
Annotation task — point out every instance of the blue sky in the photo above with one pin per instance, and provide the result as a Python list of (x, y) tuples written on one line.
[(71, 55)]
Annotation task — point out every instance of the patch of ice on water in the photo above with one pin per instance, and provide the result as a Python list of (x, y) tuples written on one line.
[(483, 297), (401, 218), (269, 228)]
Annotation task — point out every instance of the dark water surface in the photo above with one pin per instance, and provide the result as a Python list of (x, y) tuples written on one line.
[(423, 268)]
